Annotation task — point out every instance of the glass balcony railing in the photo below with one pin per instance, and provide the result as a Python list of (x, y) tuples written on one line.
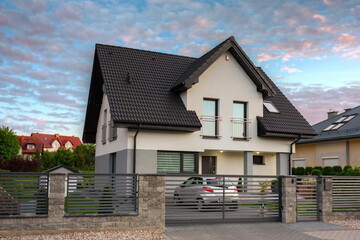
[(210, 126), (241, 128)]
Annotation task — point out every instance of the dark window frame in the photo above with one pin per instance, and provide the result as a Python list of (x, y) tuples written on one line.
[(216, 117), (245, 117), (262, 162), (196, 163)]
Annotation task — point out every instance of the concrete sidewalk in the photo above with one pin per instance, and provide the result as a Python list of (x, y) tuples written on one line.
[(258, 231)]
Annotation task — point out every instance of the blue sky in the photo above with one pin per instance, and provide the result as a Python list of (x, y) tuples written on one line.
[(311, 49)]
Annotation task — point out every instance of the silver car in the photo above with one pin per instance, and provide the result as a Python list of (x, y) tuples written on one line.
[(207, 193)]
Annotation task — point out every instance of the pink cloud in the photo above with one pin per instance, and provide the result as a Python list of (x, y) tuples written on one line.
[(346, 41), (290, 70), (203, 22), (328, 2), (354, 54), (267, 56), (320, 18)]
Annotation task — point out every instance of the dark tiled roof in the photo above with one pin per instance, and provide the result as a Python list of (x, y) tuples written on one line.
[(151, 97), (147, 99), (289, 120), (349, 130)]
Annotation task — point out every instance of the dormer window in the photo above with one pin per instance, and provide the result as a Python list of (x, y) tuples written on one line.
[(30, 146), (270, 107)]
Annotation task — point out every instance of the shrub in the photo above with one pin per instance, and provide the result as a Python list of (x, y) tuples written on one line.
[(308, 170), (293, 171), (4, 170), (321, 169), (316, 172), (327, 170), (336, 170), (300, 171), (18, 164), (347, 167)]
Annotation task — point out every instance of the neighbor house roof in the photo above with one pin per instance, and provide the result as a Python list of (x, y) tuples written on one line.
[(143, 87), (25, 140), (348, 130), (48, 139)]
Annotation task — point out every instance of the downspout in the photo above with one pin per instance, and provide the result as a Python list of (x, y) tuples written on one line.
[(291, 151), (134, 159)]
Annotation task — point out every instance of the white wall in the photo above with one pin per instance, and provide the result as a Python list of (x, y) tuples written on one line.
[(109, 147), (270, 165)]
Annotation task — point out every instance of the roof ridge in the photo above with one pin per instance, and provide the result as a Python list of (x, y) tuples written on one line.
[(143, 50)]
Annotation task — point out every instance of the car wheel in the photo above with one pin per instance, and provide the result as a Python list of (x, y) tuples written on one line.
[(177, 199), (200, 204), (234, 205)]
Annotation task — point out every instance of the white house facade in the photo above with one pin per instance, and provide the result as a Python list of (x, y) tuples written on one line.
[(238, 121)]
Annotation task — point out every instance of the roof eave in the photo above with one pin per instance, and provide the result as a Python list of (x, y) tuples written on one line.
[(158, 127), (287, 135), (314, 140)]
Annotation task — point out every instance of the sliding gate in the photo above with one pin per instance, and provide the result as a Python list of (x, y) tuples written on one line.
[(214, 198)]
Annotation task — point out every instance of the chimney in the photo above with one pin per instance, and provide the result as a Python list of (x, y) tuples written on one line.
[(347, 109), (332, 113), (57, 135)]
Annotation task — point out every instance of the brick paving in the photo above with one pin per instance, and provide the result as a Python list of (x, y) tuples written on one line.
[(259, 231)]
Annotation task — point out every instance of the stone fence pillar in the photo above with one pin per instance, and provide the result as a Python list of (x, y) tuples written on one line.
[(324, 198), (288, 199), (56, 196)]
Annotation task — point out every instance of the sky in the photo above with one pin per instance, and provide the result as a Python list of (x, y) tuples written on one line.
[(310, 49)]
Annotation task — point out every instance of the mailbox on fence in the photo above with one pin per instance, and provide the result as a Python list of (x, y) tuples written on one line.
[(327, 184)]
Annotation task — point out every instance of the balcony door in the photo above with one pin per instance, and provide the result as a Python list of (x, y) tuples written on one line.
[(208, 165)]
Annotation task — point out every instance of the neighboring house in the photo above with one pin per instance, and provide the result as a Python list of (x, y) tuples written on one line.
[(337, 142), (29, 145), (214, 114), (52, 143)]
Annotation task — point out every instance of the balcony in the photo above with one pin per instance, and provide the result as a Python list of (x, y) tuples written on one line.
[(241, 129), (210, 126)]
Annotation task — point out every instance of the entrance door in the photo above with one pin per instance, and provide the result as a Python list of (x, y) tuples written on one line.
[(208, 165)]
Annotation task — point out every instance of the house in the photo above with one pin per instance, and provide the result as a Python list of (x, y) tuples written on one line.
[(150, 112), (337, 142), (29, 145), (52, 143)]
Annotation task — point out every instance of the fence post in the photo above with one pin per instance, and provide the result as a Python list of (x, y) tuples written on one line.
[(288, 199), (324, 198), (56, 196)]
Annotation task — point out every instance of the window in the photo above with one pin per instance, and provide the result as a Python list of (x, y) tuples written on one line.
[(30, 146), (258, 160), (339, 123), (103, 134), (331, 161), (177, 162), (112, 163), (210, 118), (112, 133), (240, 122), (270, 107), (298, 162)]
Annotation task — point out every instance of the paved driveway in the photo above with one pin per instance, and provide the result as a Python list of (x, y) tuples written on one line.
[(259, 231)]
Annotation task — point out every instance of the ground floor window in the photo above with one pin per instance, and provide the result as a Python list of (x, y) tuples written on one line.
[(177, 162), (258, 160)]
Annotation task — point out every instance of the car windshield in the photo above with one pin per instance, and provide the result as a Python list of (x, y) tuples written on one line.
[(219, 182)]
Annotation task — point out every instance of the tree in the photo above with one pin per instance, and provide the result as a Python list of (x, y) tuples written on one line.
[(9, 145), (87, 152), (48, 160), (65, 157)]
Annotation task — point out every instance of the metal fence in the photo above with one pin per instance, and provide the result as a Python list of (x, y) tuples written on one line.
[(346, 193), (102, 194), (306, 198), (206, 198), (23, 194)]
